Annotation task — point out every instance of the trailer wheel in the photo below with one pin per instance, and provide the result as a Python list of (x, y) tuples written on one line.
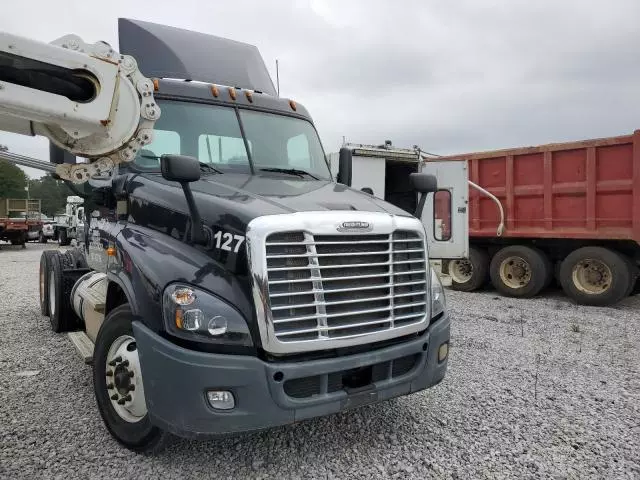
[(595, 276), (63, 239), (43, 280), (41, 237), (61, 314), (519, 271), (469, 274), (118, 386)]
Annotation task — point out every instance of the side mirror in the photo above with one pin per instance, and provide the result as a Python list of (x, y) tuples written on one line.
[(344, 167), (180, 168), (184, 169), (423, 183)]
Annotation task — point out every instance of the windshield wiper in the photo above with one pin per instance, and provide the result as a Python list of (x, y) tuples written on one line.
[(290, 171), (205, 167)]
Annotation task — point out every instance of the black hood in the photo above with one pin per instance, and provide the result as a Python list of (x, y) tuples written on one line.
[(228, 202), (249, 196)]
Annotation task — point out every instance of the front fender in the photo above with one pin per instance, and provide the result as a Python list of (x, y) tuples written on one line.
[(147, 261)]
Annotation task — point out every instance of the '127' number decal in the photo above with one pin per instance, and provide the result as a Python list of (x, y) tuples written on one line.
[(224, 241)]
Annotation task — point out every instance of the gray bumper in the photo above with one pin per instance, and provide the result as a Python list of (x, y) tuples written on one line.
[(176, 380)]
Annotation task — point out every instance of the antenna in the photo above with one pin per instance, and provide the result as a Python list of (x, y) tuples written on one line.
[(277, 77)]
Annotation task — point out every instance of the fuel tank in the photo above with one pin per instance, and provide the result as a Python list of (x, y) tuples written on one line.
[(88, 298)]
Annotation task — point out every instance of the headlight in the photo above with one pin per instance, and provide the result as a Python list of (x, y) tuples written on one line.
[(194, 314), (438, 300)]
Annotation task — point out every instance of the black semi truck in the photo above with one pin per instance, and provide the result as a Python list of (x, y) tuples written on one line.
[(225, 281)]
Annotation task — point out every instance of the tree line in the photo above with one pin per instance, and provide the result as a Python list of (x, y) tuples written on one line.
[(52, 193)]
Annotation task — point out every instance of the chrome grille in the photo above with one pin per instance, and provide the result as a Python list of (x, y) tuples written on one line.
[(328, 286)]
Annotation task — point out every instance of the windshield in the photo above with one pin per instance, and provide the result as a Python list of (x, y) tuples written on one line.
[(278, 145)]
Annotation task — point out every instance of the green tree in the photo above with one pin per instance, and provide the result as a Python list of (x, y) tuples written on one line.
[(12, 181), (52, 194)]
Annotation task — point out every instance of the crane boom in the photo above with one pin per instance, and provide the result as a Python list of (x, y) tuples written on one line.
[(86, 98)]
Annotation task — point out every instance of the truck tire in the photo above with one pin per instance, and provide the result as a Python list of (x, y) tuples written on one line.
[(116, 367), (41, 237), (595, 276), (63, 239), (20, 240), (635, 275), (43, 280), (469, 274), (61, 314), (519, 271)]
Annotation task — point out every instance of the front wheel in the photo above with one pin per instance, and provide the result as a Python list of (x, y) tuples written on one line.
[(118, 386)]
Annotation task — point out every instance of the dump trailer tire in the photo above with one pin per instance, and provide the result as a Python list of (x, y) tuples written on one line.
[(470, 273), (595, 276), (128, 422), (43, 280), (519, 271), (61, 314), (635, 275)]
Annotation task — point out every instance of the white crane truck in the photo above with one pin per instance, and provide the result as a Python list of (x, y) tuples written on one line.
[(224, 281)]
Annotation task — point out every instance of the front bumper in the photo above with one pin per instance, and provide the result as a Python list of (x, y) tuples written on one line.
[(176, 380)]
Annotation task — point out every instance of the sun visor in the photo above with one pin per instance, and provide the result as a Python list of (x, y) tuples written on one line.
[(169, 52)]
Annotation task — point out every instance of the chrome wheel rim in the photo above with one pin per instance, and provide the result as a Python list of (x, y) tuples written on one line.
[(124, 379)]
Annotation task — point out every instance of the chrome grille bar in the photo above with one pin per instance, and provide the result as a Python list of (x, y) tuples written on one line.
[(317, 287)]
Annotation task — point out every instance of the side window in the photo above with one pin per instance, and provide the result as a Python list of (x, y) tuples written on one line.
[(298, 152), (164, 141), (217, 149), (442, 215)]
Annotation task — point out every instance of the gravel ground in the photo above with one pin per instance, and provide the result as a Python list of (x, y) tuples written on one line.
[(535, 389)]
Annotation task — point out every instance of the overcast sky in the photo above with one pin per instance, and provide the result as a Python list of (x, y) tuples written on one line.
[(451, 76)]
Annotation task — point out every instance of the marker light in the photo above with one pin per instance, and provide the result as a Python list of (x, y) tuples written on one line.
[(214, 91), (232, 93), (183, 296)]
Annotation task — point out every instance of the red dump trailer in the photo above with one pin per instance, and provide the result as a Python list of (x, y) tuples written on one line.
[(571, 212)]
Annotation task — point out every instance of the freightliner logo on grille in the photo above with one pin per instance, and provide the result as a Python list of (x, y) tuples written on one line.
[(355, 226)]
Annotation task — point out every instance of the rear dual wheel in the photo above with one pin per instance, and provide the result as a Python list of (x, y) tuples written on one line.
[(471, 273), (519, 271), (597, 276), (43, 280)]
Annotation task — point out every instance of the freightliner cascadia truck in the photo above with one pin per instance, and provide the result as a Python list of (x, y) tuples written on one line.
[(224, 281)]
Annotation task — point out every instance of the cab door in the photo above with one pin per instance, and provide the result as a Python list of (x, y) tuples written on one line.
[(445, 215)]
